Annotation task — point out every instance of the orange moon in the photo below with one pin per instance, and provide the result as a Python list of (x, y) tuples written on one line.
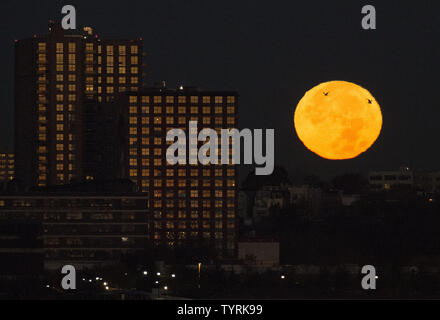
[(338, 120)]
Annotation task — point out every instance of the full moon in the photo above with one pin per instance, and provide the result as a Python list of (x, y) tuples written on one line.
[(338, 120)]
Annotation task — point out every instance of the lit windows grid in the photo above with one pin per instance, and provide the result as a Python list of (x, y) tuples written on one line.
[(187, 201)]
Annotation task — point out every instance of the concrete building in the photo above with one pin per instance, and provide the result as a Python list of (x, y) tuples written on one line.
[(269, 197), (84, 225), (56, 75)]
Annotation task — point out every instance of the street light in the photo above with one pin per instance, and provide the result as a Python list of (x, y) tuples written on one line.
[(158, 274), (145, 273), (173, 276)]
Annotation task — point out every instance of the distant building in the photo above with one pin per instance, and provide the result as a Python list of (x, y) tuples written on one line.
[(427, 181), (244, 205), (269, 197), (21, 251), (86, 224), (259, 252), (56, 75), (7, 167), (349, 199)]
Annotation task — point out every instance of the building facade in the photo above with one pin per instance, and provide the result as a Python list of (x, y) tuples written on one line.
[(56, 76), (269, 197), (7, 167), (188, 202), (84, 225)]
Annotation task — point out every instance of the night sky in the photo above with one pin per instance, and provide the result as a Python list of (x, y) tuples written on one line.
[(271, 52)]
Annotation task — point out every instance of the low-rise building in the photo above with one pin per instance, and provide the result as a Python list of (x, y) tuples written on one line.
[(259, 252), (426, 181)]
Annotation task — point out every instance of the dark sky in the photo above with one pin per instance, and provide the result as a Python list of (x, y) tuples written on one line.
[(271, 52)]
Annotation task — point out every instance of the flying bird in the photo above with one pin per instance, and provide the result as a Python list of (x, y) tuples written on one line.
[(326, 94)]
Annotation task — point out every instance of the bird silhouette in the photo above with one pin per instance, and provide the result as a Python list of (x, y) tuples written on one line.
[(370, 101), (325, 93)]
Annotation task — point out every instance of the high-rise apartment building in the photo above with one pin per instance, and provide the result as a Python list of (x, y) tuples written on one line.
[(56, 76), (187, 202)]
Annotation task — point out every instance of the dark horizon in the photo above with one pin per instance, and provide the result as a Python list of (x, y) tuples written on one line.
[(272, 54)]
